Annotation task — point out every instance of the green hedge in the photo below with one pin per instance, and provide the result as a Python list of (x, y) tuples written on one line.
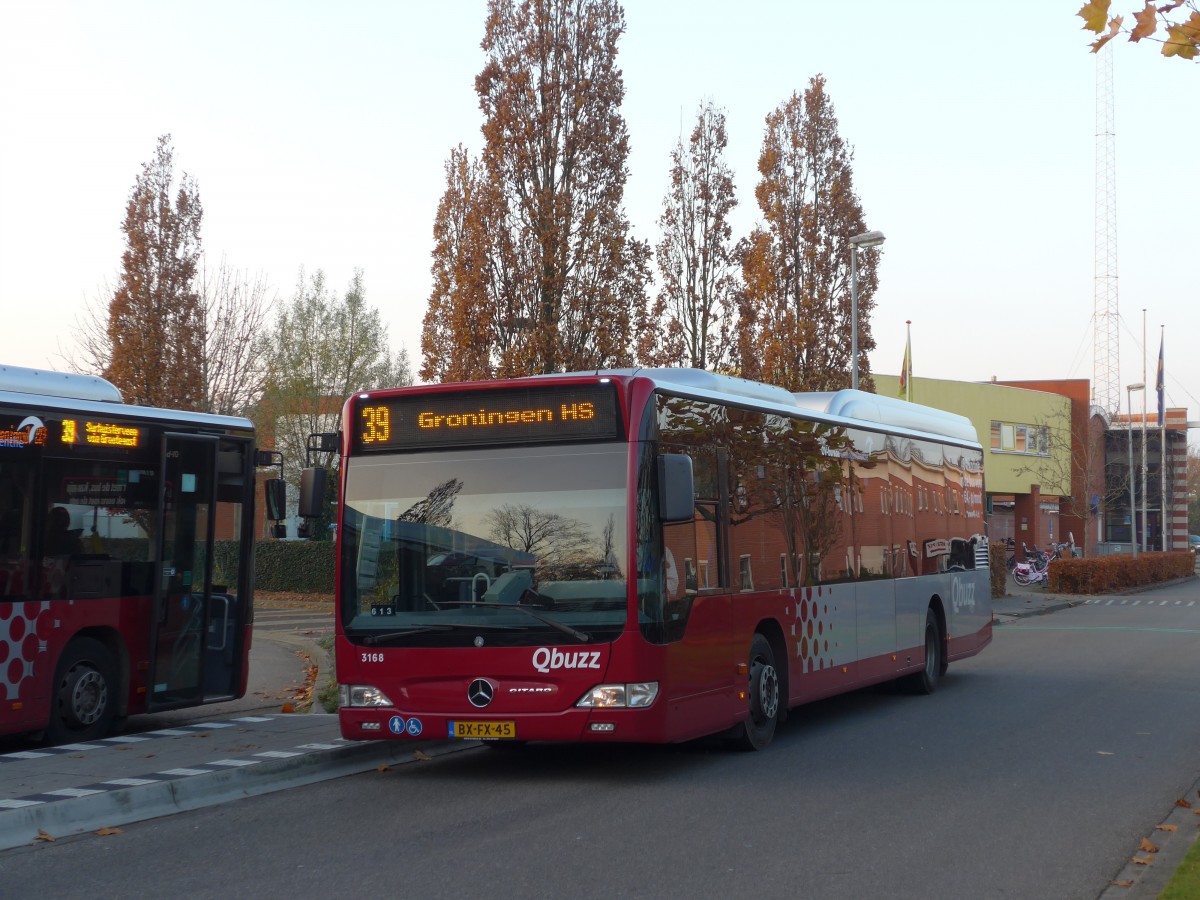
[(303, 566), (1102, 574)]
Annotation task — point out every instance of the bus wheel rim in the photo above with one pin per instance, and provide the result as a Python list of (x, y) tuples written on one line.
[(88, 698)]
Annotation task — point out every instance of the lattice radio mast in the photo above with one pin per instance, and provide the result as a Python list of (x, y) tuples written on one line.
[(1106, 367)]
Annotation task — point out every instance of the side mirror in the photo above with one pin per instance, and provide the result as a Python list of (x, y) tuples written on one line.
[(676, 491), (276, 491), (312, 493)]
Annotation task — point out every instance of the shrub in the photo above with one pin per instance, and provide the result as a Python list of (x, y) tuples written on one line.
[(302, 566), (1103, 574)]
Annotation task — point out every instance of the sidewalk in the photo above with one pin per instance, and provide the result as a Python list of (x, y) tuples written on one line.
[(200, 756), (1035, 600), (1022, 601)]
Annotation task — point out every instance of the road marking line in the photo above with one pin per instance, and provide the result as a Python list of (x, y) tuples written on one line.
[(131, 782), (185, 772), (71, 792)]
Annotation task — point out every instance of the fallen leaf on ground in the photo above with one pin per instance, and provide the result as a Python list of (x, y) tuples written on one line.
[(1148, 846), (1184, 803), (1125, 882), (421, 755), (1143, 860), (46, 836), (383, 767), (106, 831), (1167, 827)]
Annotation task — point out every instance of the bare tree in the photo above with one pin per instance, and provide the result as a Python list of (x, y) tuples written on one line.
[(435, 508), (236, 310), (551, 537)]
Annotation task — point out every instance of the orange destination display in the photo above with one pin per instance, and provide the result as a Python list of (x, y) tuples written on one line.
[(526, 415)]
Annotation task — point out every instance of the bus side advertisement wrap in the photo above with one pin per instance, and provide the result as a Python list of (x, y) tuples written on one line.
[(508, 416)]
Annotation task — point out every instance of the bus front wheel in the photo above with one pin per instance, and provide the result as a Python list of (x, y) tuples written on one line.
[(759, 727), (85, 693)]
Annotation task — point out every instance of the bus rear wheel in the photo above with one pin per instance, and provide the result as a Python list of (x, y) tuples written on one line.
[(759, 727), (927, 680), (85, 693)]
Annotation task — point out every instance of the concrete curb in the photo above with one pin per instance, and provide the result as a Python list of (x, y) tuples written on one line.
[(19, 827), (1002, 618), (1146, 882)]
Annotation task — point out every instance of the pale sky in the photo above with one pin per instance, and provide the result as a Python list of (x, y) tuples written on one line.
[(317, 135)]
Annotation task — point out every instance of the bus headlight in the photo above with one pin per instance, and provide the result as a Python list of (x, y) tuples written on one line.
[(614, 696), (361, 695)]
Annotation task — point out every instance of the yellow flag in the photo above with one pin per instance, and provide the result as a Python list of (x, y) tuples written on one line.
[(906, 369)]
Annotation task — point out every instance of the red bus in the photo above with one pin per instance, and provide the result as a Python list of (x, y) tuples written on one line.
[(646, 555), (126, 538)]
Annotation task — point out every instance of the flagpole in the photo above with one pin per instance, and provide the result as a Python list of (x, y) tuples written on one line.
[(1162, 432), (1145, 536)]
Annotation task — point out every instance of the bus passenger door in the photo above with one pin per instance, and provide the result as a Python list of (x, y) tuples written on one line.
[(183, 586)]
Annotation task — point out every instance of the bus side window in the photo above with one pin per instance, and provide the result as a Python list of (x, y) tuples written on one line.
[(14, 532)]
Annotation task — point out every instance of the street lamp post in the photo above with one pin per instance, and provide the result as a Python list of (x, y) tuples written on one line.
[(1129, 389), (866, 240)]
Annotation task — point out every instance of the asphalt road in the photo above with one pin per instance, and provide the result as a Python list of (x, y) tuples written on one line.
[(1034, 773)]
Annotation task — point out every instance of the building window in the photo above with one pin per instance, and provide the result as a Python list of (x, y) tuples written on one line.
[(747, 575), (1027, 440)]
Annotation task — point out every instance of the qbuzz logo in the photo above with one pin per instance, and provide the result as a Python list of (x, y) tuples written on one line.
[(546, 658)]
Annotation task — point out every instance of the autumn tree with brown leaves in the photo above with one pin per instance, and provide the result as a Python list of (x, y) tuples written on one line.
[(1179, 20), (471, 280), (795, 325), (693, 319), (156, 317), (563, 280)]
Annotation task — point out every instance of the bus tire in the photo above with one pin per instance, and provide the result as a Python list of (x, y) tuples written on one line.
[(84, 702), (927, 680), (759, 727)]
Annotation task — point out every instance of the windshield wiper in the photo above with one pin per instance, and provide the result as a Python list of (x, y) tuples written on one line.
[(391, 635), (445, 626), (582, 636)]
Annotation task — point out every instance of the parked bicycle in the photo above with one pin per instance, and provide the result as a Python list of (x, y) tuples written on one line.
[(1036, 567)]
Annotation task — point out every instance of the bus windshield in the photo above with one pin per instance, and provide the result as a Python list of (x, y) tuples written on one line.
[(508, 546)]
